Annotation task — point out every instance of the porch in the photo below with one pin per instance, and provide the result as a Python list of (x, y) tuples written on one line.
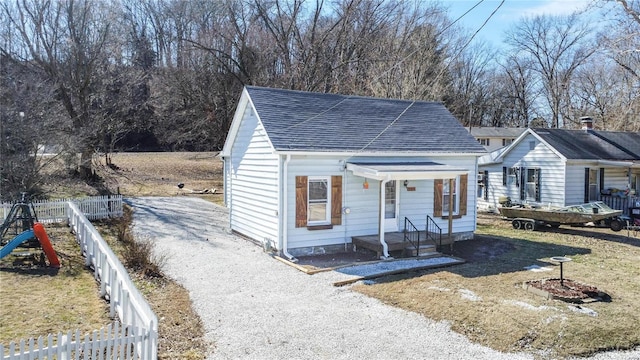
[(621, 202), (397, 242)]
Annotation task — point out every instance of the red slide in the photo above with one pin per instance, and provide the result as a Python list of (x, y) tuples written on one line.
[(38, 230)]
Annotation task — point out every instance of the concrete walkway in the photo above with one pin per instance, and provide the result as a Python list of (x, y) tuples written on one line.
[(254, 307)]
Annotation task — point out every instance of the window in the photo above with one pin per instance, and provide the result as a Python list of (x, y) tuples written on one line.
[(506, 142), (593, 184), (510, 177), (318, 201), (458, 193), (448, 192), (483, 185), (532, 145), (531, 189), (484, 142), (318, 204)]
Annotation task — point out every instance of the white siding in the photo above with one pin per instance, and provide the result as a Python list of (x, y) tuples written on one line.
[(253, 178), (364, 204), (616, 178), (552, 174), (574, 185)]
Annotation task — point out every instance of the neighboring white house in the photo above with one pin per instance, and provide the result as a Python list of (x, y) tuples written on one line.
[(494, 138), (562, 167), (305, 172)]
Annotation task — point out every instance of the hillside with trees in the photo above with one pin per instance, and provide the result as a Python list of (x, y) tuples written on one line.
[(88, 76)]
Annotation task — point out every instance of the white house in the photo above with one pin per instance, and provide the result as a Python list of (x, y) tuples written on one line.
[(494, 138), (563, 167), (306, 172)]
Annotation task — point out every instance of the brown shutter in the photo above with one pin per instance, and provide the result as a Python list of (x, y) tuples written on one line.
[(464, 179), (437, 197), (336, 200), (301, 201)]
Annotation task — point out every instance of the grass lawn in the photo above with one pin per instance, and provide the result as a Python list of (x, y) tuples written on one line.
[(37, 300), (484, 299)]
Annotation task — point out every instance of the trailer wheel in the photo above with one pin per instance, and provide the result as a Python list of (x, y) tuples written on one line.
[(616, 225), (529, 225), (516, 224)]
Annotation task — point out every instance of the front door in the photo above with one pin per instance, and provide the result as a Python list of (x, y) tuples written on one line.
[(390, 207)]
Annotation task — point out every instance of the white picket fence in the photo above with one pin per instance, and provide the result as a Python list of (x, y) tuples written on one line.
[(94, 208), (138, 335), (112, 342)]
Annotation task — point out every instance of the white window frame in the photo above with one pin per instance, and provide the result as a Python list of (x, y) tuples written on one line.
[(530, 186), (506, 142), (445, 194), (310, 202), (485, 141), (512, 176)]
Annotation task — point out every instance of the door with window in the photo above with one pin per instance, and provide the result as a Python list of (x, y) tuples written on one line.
[(390, 206)]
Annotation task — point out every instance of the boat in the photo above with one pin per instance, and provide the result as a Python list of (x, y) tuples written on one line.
[(527, 217)]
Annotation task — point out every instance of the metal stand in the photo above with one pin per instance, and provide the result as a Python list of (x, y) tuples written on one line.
[(561, 260)]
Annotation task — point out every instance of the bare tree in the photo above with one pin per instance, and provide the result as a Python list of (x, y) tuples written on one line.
[(64, 40), (556, 46)]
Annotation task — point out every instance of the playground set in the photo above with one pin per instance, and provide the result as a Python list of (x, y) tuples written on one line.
[(21, 228)]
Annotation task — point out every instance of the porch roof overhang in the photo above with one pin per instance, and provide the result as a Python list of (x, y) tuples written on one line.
[(404, 170)]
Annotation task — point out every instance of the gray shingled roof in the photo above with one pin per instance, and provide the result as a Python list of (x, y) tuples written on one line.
[(306, 121), (496, 132), (592, 145)]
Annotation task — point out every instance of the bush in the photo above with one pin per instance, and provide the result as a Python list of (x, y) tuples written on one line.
[(138, 255)]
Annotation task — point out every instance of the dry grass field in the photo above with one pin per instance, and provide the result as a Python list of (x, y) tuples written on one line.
[(158, 174)]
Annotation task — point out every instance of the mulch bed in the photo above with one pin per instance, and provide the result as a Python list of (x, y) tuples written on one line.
[(566, 290)]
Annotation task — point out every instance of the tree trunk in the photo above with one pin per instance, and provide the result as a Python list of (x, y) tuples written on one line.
[(84, 168)]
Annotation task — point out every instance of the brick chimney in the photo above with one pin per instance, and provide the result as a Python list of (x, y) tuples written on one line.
[(587, 123)]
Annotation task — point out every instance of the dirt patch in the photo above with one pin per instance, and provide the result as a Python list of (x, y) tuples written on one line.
[(324, 261), (480, 249)]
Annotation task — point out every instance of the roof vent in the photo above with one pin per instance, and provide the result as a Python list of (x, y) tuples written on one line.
[(587, 122)]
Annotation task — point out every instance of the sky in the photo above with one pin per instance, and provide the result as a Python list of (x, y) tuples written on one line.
[(509, 13)]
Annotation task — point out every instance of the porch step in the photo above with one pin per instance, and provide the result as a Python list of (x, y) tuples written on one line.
[(423, 251)]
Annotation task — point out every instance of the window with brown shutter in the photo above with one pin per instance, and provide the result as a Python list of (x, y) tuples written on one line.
[(318, 202), (441, 193)]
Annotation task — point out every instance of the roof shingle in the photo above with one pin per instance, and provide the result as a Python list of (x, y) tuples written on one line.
[(306, 121), (596, 145)]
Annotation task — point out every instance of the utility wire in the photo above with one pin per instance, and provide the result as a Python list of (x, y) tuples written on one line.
[(388, 126), (442, 70)]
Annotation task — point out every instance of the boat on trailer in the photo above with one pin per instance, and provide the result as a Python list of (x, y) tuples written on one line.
[(528, 218)]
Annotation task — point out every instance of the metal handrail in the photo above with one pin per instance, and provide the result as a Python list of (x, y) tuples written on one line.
[(412, 235), (434, 232)]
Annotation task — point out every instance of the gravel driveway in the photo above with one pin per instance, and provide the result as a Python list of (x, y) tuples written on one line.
[(254, 307)]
